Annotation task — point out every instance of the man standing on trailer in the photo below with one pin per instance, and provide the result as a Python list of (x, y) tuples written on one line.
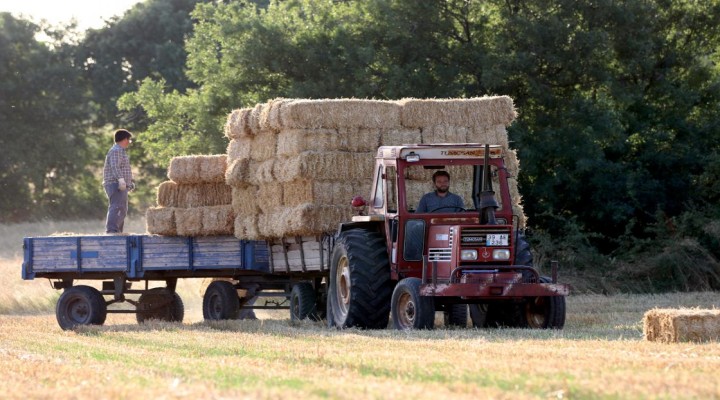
[(117, 181), (441, 200)]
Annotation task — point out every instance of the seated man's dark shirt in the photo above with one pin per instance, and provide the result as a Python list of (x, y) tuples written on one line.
[(431, 202)]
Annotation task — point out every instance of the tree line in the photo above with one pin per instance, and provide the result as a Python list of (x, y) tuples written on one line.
[(618, 129)]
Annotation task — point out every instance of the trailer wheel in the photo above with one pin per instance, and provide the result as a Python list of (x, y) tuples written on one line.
[(478, 314), (221, 301), (80, 305), (161, 304), (456, 315), (545, 312), (360, 284), (410, 310), (302, 302)]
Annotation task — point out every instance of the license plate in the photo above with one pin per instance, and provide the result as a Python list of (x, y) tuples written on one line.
[(497, 239)]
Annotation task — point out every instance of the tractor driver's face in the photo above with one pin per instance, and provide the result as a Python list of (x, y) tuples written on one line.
[(442, 184)]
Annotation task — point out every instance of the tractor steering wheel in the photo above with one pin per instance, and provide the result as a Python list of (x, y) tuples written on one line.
[(453, 207)]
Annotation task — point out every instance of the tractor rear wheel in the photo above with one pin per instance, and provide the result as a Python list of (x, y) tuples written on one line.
[(80, 305), (456, 315), (161, 304), (302, 301), (221, 301), (409, 309), (545, 312), (360, 284)]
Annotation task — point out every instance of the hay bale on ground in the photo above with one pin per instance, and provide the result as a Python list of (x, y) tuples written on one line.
[(160, 221), (171, 194), (681, 325), (479, 111), (197, 169), (339, 113)]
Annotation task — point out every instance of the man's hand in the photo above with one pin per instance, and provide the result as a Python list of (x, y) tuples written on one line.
[(122, 184), (131, 186)]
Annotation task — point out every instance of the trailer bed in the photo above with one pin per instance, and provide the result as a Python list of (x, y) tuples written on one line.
[(137, 257)]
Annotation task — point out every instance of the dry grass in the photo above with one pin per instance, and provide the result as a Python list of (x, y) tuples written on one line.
[(600, 354)]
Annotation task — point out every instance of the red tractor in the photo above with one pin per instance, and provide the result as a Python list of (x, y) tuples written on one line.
[(392, 260)]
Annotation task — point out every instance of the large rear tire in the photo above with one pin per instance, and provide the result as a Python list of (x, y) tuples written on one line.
[(545, 312), (161, 304), (409, 309), (360, 284), (80, 305), (302, 302), (221, 301)]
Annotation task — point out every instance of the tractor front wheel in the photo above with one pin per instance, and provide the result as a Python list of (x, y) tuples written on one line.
[(545, 312), (409, 309)]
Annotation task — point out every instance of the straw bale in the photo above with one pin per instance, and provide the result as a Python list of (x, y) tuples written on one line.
[(340, 113), (189, 221), (493, 134), (445, 134), (239, 149), (262, 172), (419, 113), (196, 169), (325, 166), (245, 200), (303, 220), (682, 325), (236, 125), (271, 114), (270, 196), (396, 137), (338, 193), (362, 140), (292, 142), (218, 220), (263, 146), (253, 124), (246, 227), (171, 194), (238, 173), (160, 221)]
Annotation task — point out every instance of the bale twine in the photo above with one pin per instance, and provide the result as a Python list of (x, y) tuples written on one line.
[(160, 221), (196, 169), (171, 194), (681, 325), (418, 113)]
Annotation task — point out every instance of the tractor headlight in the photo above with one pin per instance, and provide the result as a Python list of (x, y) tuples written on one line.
[(467, 255), (501, 254)]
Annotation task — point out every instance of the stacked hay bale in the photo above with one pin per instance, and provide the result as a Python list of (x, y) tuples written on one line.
[(195, 201), (294, 165), (681, 325)]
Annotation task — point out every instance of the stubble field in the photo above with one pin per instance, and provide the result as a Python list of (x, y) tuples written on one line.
[(600, 353)]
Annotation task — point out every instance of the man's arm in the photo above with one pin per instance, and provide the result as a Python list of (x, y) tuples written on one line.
[(422, 206)]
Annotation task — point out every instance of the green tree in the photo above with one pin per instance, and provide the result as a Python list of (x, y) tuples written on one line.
[(42, 112)]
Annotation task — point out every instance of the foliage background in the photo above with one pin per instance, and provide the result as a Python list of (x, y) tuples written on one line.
[(618, 132)]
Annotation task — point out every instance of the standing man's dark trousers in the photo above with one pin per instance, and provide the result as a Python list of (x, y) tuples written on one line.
[(117, 209)]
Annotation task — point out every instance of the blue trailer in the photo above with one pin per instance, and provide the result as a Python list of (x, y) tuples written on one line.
[(119, 261)]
